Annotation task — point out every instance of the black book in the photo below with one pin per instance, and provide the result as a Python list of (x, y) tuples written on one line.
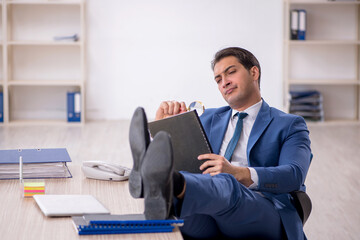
[(188, 139)]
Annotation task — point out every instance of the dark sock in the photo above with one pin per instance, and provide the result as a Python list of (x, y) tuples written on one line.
[(178, 183)]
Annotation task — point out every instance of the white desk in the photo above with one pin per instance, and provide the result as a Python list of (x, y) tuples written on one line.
[(21, 218)]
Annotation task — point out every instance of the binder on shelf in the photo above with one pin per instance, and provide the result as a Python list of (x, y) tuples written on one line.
[(298, 95), (37, 163), (302, 25), (122, 224), (305, 107), (308, 104), (188, 139), (73, 38), (298, 24), (294, 24), (1, 107), (73, 107)]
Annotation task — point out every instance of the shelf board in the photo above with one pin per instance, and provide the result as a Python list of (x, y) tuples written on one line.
[(64, 2), (43, 43), (334, 122), (323, 42), (324, 2), (44, 122), (324, 82), (45, 83)]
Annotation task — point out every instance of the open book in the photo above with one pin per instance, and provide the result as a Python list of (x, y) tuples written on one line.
[(188, 139)]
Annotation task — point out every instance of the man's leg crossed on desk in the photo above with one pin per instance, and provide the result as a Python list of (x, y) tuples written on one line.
[(211, 206)]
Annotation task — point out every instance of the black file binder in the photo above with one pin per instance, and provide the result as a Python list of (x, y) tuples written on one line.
[(294, 24), (188, 139)]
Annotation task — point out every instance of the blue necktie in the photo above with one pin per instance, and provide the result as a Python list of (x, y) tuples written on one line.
[(234, 140)]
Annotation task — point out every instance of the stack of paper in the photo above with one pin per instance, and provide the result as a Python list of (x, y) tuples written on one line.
[(37, 163), (307, 104)]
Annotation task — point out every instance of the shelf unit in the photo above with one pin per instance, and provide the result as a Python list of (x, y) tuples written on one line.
[(36, 72), (1, 52), (328, 60)]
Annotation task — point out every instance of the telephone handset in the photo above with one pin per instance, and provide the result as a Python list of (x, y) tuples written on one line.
[(105, 171)]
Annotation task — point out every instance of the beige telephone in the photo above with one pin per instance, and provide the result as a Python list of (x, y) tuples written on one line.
[(105, 171)]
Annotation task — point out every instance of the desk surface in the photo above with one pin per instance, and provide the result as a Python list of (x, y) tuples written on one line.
[(22, 219)]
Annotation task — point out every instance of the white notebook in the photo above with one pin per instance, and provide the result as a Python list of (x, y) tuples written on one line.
[(69, 205)]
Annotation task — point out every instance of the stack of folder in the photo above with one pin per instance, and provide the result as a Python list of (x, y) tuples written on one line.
[(122, 224), (37, 163), (308, 104)]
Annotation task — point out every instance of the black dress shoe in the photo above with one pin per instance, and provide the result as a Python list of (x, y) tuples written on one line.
[(139, 141), (157, 172)]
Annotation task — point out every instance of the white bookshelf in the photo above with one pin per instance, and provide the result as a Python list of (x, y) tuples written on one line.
[(2, 57), (37, 71), (328, 60)]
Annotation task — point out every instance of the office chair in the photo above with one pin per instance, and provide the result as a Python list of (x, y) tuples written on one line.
[(302, 204)]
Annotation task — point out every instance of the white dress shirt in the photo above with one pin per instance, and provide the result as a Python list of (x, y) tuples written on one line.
[(239, 157)]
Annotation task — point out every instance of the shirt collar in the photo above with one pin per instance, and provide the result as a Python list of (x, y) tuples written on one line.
[(252, 111)]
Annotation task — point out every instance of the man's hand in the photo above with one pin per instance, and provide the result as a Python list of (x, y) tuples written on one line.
[(216, 164), (170, 108)]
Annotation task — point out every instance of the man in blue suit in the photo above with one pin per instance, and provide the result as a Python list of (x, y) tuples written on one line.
[(244, 189)]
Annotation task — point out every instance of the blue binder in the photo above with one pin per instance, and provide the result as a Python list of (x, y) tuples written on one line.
[(44, 155), (1, 107), (73, 107), (302, 25), (48, 159), (122, 224)]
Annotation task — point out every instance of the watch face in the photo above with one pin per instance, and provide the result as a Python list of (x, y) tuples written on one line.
[(198, 106)]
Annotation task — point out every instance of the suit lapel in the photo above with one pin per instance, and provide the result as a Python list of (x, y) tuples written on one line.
[(263, 119), (218, 128)]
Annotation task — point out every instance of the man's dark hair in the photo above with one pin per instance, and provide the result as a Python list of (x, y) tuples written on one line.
[(246, 58)]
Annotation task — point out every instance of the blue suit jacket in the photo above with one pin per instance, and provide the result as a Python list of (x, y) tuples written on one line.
[(278, 149)]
